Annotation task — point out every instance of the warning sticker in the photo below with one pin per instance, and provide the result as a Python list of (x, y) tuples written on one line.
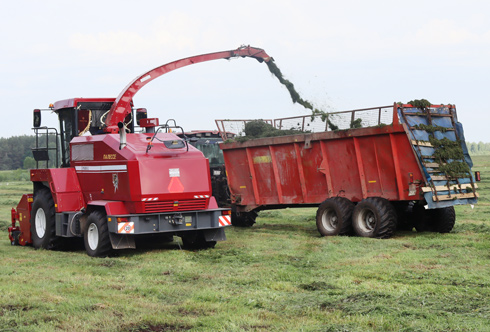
[(224, 221), (125, 227), (174, 172)]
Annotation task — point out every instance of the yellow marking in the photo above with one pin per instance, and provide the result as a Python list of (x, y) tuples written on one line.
[(20, 216), (56, 205), (188, 224), (30, 200), (109, 219), (262, 160), (111, 156), (374, 181), (243, 187)]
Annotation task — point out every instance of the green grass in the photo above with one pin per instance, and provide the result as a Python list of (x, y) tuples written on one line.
[(279, 275)]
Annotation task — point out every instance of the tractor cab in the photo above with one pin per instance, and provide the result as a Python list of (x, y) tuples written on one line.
[(77, 117)]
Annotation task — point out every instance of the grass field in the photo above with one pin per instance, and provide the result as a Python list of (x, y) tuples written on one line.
[(279, 275)]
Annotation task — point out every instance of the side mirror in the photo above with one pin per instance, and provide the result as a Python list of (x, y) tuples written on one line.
[(37, 118), (141, 113)]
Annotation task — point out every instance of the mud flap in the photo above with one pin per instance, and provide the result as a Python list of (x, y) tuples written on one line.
[(122, 241), (217, 234)]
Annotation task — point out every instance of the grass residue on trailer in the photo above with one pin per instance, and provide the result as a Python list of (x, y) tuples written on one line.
[(449, 155), (430, 128), (260, 129)]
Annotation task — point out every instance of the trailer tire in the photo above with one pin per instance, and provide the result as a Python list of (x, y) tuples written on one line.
[(423, 220), (374, 217), (43, 223), (334, 216), (96, 235), (444, 219)]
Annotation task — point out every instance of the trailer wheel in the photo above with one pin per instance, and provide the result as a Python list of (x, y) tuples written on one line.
[(423, 220), (334, 216), (96, 236), (43, 228), (444, 219), (196, 241), (374, 217)]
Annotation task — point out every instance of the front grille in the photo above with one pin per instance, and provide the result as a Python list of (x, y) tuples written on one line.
[(168, 206)]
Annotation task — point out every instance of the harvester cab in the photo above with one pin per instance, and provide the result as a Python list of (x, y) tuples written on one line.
[(110, 184)]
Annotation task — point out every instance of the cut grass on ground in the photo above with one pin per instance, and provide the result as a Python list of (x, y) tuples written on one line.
[(279, 275)]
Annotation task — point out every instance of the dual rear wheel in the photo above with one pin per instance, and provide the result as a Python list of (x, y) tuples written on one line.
[(377, 217)]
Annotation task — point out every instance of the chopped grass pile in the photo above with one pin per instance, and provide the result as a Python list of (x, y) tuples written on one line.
[(420, 103), (260, 128)]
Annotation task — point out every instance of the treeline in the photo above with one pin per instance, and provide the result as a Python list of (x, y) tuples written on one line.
[(16, 153), (479, 148)]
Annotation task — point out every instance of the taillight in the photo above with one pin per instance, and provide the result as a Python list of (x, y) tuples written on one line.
[(477, 176), (226, 212)]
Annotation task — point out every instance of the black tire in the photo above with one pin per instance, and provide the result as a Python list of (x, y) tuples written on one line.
[(334, 216), (196, 241), (374, 217), (43, 224), (444, 219), (243, 219), (404, 215), (423, 219), (96, 235)]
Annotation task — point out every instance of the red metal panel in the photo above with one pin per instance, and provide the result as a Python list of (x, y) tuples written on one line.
[(359, 163), (344, 169), (24, 217), (288, 176), (239, 177), (262, 175)]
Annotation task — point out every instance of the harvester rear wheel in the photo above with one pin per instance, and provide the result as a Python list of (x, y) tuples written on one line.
[(374, 217), (43, 227), (96, 236), (334, 216)]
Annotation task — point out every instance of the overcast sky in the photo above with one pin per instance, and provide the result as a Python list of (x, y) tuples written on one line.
[(340, 55)]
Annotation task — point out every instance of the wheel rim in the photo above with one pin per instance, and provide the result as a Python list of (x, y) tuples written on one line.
[(40, 223), (93, 236), (367, 220), (330, 220)]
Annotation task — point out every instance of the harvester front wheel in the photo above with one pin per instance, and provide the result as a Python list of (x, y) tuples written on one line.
[(374, 217), (334, 216), (43, 227), (96, 236)]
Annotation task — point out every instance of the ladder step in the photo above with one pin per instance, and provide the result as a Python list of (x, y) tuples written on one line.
[(422, 143), (452, 187), (455, 196)]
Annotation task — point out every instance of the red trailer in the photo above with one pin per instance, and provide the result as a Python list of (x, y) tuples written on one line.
[(363, 178)]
